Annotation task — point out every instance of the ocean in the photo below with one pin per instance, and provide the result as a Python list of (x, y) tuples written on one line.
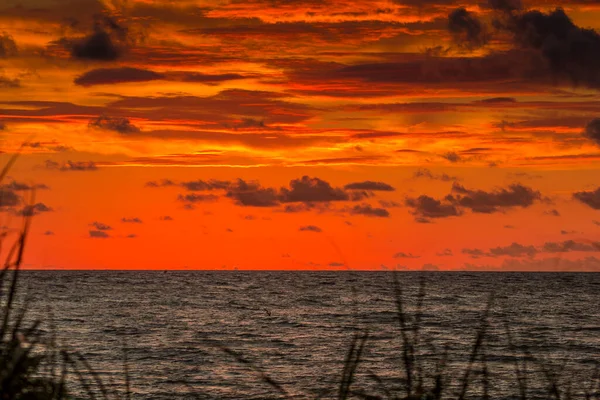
[(218, 334)]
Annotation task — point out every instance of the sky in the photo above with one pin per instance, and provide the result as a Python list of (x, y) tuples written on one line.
[(302, 134)]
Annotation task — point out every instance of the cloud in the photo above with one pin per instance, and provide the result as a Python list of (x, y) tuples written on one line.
[(8, 198), (475, 253), (107, 42), (451, 156), (201, 185), (310, 228), (100, 226), (49, 233), (426, 173), (427, 207), (445, 253), (131, 220), (596, 222), (467, 30), (590, 198), (109, 76), (592, 130), (8, 47), (34, 209), (307, 189), (131, 236), (336, 264), (71, 165), (163, 183), (99, 234), (166, 218), (252, 194), (405, 255), (553, 212), (570, 245), (19, 186), (117, 124), (479, 201), (569, 51), (430, 267), (197, 198), (369, 211), (514, 250), (369, 185)]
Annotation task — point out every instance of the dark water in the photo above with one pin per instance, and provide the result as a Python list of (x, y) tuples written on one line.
[(298, 327)]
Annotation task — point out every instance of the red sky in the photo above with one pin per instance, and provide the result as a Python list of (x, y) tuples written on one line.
[(267, 134)]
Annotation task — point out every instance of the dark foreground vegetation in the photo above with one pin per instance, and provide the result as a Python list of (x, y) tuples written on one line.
[(34, 367)]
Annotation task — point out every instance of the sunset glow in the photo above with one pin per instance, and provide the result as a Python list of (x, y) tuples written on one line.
[(267, 134)]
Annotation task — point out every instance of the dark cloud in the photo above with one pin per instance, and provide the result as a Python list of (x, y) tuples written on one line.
[(252, 194), (553, 212), (405, 255), (163, 183), (116, 124), (430, 267), (307, 189), (201, 185), (9, 83), (570, 245), (569, 51), (453, 157), (369, 211), (514, 250), (2, 126), (107, 42), (166, 218), (8, 47), (427, 207), (108, 76), (197, 198), (426, 173), (445, 253), (34, 209), (467, 30), (98, 234), (20, 186), (134, 220), (100, 226), (310, 228), (369, 185), (592, 130), (71, 165), (49, 233), (479, 201), (8, 198), (336, 264), (590, 198), (596, 222), (474, 253)]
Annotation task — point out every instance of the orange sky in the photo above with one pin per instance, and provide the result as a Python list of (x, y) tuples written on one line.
[(266, 134)]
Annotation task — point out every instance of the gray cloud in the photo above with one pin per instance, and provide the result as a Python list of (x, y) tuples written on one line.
[(479, 201), (8, 198), (197, 198), (310, 228), (427, 174), (98, 234), (426, 207), (100, 226), (34, 209), (134, 220), (592, 130), (590, 198), (369, 211), (369, 185), (467, 30), (116, 124), (71, 165), (514, 250), (405, 255), (8, 47)]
